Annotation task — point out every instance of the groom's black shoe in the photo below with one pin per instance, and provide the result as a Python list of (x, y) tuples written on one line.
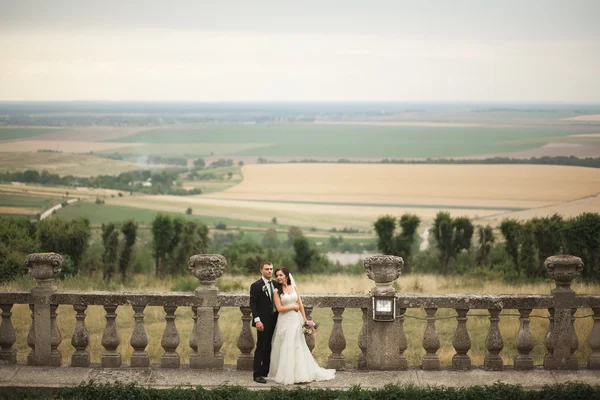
[(260, 379)]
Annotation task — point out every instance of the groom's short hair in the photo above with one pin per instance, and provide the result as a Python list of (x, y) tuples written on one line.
[(262, 264)]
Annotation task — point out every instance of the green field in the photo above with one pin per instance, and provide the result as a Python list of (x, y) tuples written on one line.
[(103, 213), (28, 201), (313, 140), (22, 133)]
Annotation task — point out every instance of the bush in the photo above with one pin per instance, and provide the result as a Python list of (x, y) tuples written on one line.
[(11, 265)]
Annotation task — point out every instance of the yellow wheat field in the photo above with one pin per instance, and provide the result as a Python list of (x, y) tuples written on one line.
[(333, 195), (522, 186)]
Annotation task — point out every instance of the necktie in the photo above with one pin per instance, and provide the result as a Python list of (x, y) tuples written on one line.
[(271, 292)]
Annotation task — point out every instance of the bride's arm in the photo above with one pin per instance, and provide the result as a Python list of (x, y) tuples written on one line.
[(300, 305), (280, 307)]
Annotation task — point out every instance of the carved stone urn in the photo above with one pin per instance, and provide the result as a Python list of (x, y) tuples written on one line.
[(44, 267), (563, 269), (207, 268), (384, 270)]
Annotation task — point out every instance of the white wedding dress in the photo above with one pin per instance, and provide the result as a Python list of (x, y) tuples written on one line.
[(291, 360)]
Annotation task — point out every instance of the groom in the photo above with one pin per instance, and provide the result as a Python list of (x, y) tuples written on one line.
[(264, 318)]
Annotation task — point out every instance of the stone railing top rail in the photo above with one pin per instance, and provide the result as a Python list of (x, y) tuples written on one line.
[(404, 300)]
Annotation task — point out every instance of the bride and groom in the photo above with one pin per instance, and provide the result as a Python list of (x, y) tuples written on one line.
[(281, 352)]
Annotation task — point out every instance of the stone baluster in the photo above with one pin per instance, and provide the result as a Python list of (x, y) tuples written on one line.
[(337, 341), (31, 337), (594, 341), (139, 339), (44, 267), (194, 361), (563, 269), (218, 340), (7, 336), (310, 339), (574, 342), (55, 338), (110, 339), (362, 340), (549, 340), (431, 343), (80, 339), (170, 340), (524, 342), (245, 341), (493, 343), (402, 342), (207, 268), (461, 342)]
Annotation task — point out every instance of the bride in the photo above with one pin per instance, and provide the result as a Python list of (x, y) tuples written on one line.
[(291, 360)]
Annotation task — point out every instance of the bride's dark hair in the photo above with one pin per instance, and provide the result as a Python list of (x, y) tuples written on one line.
[(286, 272)]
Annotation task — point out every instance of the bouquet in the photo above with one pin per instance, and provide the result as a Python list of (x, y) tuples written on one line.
[(309, 327)]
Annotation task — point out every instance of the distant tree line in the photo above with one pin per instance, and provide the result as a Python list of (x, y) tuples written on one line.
[(546, 160), (145, 181), (149, 159)]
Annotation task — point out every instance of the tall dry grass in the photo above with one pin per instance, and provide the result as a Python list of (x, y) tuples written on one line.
[(230, 318)]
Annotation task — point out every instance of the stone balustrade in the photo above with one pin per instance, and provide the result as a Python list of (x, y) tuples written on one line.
[(381, 343)]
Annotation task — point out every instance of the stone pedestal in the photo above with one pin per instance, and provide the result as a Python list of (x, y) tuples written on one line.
[(207, 268), (384, 338), (44, 267), (563, 269)]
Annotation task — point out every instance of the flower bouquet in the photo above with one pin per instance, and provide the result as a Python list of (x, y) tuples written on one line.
[(309, 327)]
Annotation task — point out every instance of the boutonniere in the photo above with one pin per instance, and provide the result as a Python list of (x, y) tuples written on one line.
[(265, 289)]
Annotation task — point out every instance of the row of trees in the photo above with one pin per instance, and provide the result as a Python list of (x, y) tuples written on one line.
[(162, 182), (529, 243), (526, 243)]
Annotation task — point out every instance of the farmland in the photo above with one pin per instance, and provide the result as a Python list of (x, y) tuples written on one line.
[(352, 140), (321, 196)]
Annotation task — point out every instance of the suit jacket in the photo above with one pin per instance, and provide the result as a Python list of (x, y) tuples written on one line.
[(261, 304)]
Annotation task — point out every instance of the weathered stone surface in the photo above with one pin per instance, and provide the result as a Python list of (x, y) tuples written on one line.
[(207, 268), (383, 269)]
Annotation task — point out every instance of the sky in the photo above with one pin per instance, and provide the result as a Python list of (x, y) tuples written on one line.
[(279, 50)]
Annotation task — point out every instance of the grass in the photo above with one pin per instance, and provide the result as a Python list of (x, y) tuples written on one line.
[(22, 133), (230, 318), (104, 213), (28, 201), (314, 140), (191, 149)]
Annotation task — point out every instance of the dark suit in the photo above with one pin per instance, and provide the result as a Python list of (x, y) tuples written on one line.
[(262, 307)]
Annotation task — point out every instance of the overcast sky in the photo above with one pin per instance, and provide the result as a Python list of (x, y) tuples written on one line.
[(279, 50)]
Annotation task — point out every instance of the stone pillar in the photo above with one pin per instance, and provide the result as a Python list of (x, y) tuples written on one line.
[(493, 343), (337, 341), (562, 269), (461, 342), (139, 339), (44, 267), (310, 339), (384, 339), (111, 339), (80, 339), (194, 361), (207, 268), (170, 340), (431, 343), (245, 341), (362, 340), (524, 342), (7, 336), (594, 341)]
